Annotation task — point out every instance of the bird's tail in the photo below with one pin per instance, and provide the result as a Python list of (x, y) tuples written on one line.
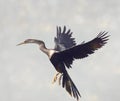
[(70, 87)]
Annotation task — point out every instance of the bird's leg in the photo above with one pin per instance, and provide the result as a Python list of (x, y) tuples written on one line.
[(60, 79), (55, 78)]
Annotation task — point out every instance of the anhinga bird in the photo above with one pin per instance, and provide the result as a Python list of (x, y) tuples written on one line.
[(65, 52)]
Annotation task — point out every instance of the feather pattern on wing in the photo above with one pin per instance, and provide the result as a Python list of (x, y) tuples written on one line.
[(83, 50), (64, 39)]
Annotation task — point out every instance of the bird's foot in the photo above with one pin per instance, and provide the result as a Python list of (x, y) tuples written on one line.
[(55, 78), (60, 79)]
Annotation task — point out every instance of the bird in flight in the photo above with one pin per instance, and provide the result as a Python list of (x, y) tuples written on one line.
[(65, 52)]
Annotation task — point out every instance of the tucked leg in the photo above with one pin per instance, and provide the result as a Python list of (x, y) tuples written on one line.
[(55, 78), (60, 79)]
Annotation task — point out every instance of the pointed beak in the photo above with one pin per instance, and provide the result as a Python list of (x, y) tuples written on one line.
[(20, 43)]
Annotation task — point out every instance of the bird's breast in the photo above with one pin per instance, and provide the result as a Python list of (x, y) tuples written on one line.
[(51, 52), (57, 63)]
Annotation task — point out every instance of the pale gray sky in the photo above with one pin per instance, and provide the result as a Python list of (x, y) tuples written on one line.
[(26, 73)]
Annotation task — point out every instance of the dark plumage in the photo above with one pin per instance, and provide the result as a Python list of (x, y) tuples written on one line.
[(66, 51), (64, 39), (83, 50)]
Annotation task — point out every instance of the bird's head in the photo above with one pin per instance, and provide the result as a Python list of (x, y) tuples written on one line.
[(39, 42)]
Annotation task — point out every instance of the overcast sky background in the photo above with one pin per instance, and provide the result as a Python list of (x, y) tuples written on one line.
[(26, 73)]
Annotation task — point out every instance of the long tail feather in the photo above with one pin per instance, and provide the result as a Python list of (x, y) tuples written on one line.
[(70, 87)]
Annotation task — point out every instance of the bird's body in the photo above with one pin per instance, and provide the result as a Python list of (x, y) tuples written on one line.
[(65, 52)]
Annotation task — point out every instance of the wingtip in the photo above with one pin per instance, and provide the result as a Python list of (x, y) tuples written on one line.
[(64, 29), (103, 35)]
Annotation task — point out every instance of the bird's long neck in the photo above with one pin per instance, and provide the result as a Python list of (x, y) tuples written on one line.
[(48, 52), (44, 49)]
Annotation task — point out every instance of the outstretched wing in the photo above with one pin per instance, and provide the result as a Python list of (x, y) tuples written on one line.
[(83, 50), (64, 39)]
